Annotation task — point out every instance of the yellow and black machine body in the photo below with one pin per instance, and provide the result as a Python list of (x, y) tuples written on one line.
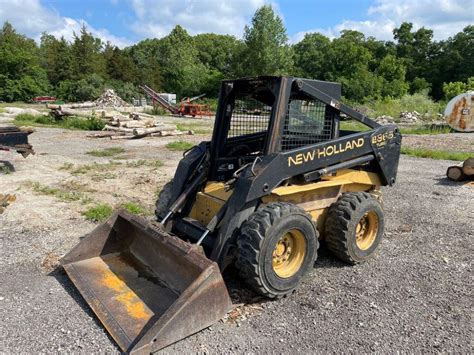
[(278, 176)]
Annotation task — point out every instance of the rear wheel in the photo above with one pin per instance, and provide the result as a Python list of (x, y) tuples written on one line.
[(277, 246), (164, 201), (354, 227)]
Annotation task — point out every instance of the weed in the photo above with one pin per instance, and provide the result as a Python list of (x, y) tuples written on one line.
[(95, 167), (136, 163), (66, 166), (98, 213), (156, 163), (104, 176), (133, 208), (179, 145), (5, 169), (435, 154), (107, 152), (60, 194)]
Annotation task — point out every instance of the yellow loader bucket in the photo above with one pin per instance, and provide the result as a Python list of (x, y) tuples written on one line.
[(149, 288)]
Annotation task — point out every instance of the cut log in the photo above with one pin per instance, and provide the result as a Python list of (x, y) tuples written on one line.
[(79, 105), (73, 112), (140, 116), (171, 133), (138, 124), (142, 131), (117, 129), (468, 167), (455, 173), (127, 136), (106, 134)]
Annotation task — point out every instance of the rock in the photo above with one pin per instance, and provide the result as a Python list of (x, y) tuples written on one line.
[(384, 119)]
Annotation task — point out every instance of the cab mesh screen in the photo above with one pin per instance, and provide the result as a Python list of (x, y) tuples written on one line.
[(248, 116), (307, 122)]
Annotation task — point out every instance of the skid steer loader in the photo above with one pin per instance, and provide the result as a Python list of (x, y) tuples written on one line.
[(278, 177)]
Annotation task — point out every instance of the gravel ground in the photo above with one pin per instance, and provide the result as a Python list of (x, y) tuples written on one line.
[(412, 297), (461, 142)]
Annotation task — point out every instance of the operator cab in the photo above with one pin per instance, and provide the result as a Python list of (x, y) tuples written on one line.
[(251, 122)]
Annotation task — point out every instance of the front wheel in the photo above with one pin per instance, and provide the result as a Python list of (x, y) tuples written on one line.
[(277, 245)]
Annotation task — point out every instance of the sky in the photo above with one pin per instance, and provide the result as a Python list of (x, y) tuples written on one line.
[(125, 22)]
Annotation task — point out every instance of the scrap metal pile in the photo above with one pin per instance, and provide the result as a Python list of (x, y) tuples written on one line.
[(14, 138)]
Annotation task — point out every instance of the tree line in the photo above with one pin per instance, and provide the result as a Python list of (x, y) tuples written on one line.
[(369, 69)]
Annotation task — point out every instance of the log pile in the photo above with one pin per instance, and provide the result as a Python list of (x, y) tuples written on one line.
[(463, 171), (136, 125)]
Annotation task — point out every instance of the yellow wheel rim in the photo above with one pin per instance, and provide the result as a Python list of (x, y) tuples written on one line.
[(366, 230), (289, 253)]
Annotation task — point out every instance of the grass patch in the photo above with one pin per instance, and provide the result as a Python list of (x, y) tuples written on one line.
[(98, 213), (60, 194), (426, 130), (85, 124), (196, 128), (179, 145), (142, 162), (136, 163), (103, 176), (133, 208), (107, 152), (84, 169), (5, 170), (435, 154), (353, 125)]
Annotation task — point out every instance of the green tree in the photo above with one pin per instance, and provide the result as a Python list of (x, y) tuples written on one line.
[(21, 77), (348, 54), (393, 73), (119, 66), (183, 73), (87, 55), (56, 58), (217, 52), (311, 56), (266, 50)]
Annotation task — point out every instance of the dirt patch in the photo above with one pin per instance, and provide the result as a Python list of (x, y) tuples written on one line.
[(50, 261)]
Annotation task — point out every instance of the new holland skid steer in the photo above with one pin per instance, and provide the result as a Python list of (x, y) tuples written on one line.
[(278, 177)]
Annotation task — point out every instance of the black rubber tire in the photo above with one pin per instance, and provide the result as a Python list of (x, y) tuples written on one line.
[(163, 202), (257, 240), (341, 223)]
